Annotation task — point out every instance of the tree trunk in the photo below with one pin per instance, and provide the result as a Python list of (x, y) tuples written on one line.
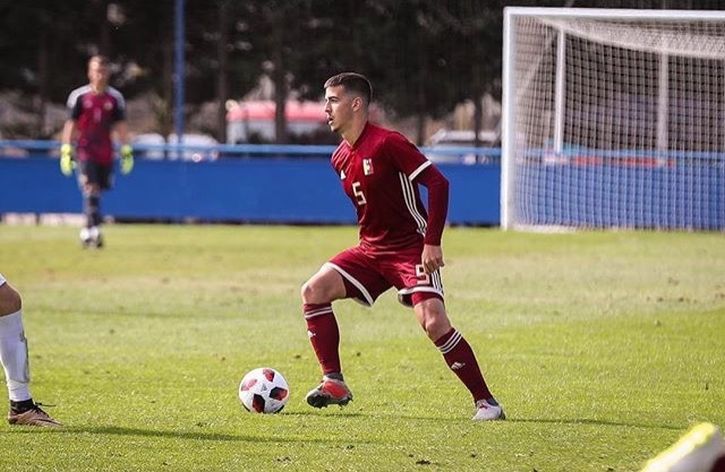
[(421, 120), (222, 91), (167, 87), (477, 119), (279, 78), (105, 32), (421, 105), (41, 131), (477, 91)]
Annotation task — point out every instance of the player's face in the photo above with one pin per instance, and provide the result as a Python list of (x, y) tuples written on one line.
[(338, 108), (97, 75)]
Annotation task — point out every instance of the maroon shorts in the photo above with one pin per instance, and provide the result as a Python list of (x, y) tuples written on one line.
[(367, 276)]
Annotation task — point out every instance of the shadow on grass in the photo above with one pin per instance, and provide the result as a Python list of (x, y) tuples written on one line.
[(153, 433), (588, 421), (211, 436), (509, 419), (330, 413)]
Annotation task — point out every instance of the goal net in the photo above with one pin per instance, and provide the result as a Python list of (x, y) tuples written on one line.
[(613, 119)]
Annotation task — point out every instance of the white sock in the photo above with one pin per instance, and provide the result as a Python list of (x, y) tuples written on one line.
[(14, 356)]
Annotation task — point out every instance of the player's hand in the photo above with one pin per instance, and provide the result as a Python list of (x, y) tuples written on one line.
[(126, 159), (432, 258), (67, 164)]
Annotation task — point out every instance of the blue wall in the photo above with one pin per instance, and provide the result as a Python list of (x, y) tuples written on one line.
[(275, 190)]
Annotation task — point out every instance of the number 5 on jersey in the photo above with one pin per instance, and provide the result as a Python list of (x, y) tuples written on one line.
[(359, 195)]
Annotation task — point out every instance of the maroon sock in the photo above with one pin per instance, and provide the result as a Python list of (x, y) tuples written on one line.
[(461, 360), (324, 335)]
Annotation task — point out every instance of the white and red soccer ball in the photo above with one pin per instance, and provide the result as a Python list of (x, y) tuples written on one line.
[(263, 390)]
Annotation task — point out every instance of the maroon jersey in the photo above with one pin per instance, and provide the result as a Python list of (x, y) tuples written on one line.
[(379, 173), (94, 115)]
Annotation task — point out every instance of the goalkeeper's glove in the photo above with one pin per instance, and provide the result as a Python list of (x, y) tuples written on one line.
[(126, 159), (67, 164)]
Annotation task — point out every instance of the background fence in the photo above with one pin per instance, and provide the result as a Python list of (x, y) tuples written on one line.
[(257, 184)]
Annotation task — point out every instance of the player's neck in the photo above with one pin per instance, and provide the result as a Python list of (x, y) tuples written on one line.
[(98, 88), (352, 134)]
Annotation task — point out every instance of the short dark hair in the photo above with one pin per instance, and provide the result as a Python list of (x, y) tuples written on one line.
[(100, 59), (353, 82)]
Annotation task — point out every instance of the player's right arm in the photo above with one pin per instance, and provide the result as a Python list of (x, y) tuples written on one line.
[(66, 149), (74, 103), (68, 129)]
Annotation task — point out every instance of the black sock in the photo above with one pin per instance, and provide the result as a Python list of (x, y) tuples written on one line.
[(335, 376), (21, 406), (92, 209)]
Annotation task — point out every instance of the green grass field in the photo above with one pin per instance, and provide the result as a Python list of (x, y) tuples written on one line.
[(603, 347)]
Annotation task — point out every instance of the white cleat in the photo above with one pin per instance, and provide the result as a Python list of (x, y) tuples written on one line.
[(91, 237), (85, 237), (488, 412), (96, 237)]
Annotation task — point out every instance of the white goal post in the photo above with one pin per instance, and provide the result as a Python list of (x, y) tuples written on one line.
[(613, 118)]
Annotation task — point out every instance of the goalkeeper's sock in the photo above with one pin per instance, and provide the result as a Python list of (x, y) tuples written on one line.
[(462, 361), (324, 335), (92, 209), (14, 356)]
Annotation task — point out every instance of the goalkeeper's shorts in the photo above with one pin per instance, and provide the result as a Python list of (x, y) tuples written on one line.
[(90, 172)]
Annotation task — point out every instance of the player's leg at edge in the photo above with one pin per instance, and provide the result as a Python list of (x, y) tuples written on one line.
[(700, 449), (318, 293), (457, 353), (14, 359)]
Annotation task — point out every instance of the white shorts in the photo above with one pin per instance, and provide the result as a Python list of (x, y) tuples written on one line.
[(2, 279)]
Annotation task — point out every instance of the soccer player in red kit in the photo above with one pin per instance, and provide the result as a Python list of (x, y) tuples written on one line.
[(400, 244), (96, 109)]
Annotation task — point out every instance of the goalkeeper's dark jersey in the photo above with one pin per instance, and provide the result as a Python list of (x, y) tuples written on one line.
[(94, 115)]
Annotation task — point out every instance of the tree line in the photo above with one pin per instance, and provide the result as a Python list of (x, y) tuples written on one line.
[(424, 55)]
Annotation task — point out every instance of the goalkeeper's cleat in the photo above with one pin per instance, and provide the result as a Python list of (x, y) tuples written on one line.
[(126, 159), (91, 237), (329, 392), (698, 450), (488, 411), (96, 238), (35, 416), (98, 241), (66, 160), (85, 237)]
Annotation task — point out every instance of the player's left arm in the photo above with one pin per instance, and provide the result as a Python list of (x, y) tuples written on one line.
[(420, 170), (437, 185), (121, 129)]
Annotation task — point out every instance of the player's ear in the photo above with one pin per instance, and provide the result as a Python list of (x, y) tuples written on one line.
[(356, 103)]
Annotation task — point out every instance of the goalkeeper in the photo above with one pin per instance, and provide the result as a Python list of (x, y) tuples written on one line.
[(96, 110)]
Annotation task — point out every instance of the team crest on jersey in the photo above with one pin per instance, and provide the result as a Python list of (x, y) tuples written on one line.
[(342, 175), (367, 166), (107, 105)]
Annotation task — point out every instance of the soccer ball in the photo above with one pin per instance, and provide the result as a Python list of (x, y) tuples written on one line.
[(263, 390)]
